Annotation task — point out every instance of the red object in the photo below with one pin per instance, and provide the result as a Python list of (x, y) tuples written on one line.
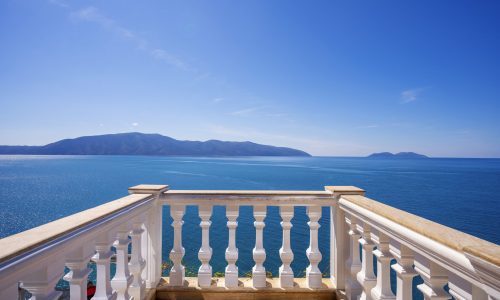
[(91, 290)]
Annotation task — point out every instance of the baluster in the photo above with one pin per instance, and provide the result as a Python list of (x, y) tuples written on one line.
[(205, 253), (435, 278), (41, 282), (231, 276), (77, 276), (122, 278), (259, 253), (313, 274), (353, 264), (366, 277), (383, 288), (102, 260), (177, 272), (137, 262), (404, 272), (286, 253)]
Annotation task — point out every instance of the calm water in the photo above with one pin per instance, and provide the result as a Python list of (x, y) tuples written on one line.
[(460, 193)]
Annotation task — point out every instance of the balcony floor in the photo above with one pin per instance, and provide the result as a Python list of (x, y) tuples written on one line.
[(190, 290)]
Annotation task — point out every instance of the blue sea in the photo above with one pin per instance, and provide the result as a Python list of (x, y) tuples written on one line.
[(460, 193)]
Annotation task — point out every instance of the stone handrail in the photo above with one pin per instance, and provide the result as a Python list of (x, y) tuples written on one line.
[(440, 255), (35, 259)]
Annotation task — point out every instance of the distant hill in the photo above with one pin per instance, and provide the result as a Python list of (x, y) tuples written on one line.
[(397, 155), (135, 143)]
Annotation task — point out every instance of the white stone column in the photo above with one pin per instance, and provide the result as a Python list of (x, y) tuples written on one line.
[(177, 273), (404, 272), (205, 253), (231, 276), (102, 260), (353, 264), (339, 240), (77, 277), (122, 279), (382, 291), (313, 274), (41, 282), (366, 277), (435, 278), (137, 262), (152, 238), (259, 253), (286, 253)]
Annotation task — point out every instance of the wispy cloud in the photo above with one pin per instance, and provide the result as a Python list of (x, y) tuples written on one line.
[(135, 124), (217, 100), (93, 15), (410, 95), (368, 126), (245, 111)]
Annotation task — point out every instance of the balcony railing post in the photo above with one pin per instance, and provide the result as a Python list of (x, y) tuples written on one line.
[(137, 262), (404, 271), (259, 253), (177, 273), (313, 273), (353, 264), (435, 278), (231, 272), (102, 260), (122, 279), (286, 253), (366, 276), (77, 276), (339, 239), (382, 291), (205, 253), (152, 247)]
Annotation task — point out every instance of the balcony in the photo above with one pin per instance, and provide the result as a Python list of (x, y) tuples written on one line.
[(363, 233)]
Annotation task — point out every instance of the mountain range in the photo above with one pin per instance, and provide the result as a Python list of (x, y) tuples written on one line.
[(135, 143)]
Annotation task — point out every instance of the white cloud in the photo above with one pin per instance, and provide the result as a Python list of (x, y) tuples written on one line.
[(93, 15), (135, 124), (217, 100), (245, 111), (368, 126), (410, 95)]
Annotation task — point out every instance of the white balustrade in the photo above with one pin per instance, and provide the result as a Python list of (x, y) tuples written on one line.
[(102, 259), (313, 273), (353, 263), (382, 291), (286, 253), (77, 277), (259, 253), (122, 279), (137, 262), (404, 271), (231, 274), (177, 273), (435, 278), (205, 253), (442, 256), (366, 276)]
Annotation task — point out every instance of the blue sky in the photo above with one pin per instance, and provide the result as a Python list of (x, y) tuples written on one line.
[(328, 77)]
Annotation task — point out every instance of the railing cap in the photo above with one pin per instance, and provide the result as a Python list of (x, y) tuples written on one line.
[(148, 189), (22, 242), (445, 235), (345, 190)]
